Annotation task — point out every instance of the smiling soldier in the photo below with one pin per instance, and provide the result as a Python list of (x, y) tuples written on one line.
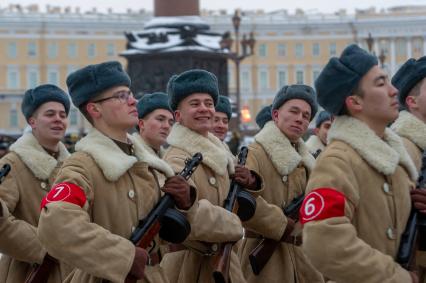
[(35, 159)]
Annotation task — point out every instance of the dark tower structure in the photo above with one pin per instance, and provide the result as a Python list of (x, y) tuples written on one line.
[(175, 40)]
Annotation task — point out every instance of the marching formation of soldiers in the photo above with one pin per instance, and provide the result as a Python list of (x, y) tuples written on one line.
[(333, 209)]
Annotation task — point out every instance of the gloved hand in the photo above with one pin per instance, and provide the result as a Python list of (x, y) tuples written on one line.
[(288, 229), (419, 199), (414, 277), (180, 191), (138, 267), (245, 178)]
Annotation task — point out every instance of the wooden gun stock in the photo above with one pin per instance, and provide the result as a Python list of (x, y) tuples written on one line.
[(223, 257), (261, 254)]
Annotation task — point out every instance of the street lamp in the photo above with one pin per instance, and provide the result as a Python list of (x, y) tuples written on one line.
[(247, 44), (382, 55), (370, 42)]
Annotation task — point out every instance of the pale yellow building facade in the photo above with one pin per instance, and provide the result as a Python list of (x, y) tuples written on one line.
[(44, 47)]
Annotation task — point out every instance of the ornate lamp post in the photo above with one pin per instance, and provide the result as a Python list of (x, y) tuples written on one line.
[(370, 42), (247, 45)]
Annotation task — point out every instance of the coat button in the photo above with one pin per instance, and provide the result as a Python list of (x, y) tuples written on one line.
[(390, 232), (212, 181), (285, 178), (43, 185), (386, 188), (131, 194), (214, 247)]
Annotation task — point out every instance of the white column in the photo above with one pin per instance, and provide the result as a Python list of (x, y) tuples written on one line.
[(409, 48), (392, 56)]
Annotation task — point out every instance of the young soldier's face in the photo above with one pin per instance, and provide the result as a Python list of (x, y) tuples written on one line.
[(292, 118), (116, 108), (49, 122), (379, 102), (196, 113), (322, 131), (220, 125), (155, 127)]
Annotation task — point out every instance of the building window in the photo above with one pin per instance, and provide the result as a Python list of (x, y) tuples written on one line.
[(12, 50), (32, 49), (281, 50), (282, 78), (299, 50), (91, 50), (52, 50), (72, 50), (418, 46), (299, 77), (110, 49), (245, 80), (13, 118), (53, 77), (32, 79), (73, 117), (332, 49), (401, 47), (315, 75), (263, 50), (71, 69), (12, 79), (263, 79), (315, 49)]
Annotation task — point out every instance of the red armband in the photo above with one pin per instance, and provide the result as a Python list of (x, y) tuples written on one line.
[(67, 192), (322, 203)]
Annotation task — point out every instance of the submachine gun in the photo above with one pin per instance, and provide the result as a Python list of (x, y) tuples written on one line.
[(243, 204), (169, 223), (415, 231), (261, 254)]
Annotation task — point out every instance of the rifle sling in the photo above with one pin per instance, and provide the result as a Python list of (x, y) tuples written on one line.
[(294, 240)]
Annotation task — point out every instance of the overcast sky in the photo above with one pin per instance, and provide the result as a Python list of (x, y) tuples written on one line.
[(267, 5)]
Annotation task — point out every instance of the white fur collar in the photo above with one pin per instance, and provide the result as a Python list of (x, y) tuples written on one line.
[(146, 154), (35, 157), (384, 155), (314, 143), (409, 126), (283, 155), (214, 153), (112, 160)]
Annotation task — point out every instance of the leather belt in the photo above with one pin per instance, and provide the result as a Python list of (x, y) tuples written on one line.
[(294, 240), (204, 249)]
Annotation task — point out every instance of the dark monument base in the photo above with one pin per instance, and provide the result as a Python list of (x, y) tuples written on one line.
[(151, 72)]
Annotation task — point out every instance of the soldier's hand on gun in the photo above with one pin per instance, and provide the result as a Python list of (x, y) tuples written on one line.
[(138, 267), (418, 196), (180, 191), (245, 178), (414, 277)]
